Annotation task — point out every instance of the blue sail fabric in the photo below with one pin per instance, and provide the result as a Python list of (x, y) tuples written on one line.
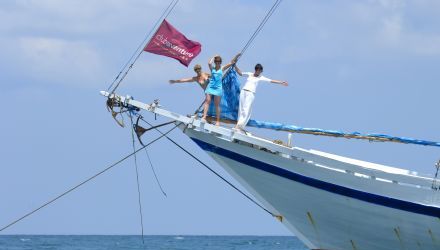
[(335, 133), (229, 110), (230, 97)]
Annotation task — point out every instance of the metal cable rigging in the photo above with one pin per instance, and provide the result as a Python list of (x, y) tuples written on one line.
[(260, 27), (212, 170), (137, 181), (139, 49), (256, 32), (119, 78), (85, 181), (164, 15), (139, 131), (154, 173)]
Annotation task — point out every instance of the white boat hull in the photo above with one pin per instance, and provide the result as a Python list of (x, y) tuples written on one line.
[(330, 209), (327, 201)]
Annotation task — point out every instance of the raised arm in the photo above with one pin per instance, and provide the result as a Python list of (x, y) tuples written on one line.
[(192, 79), (284, 83), (233, 61), (210, 63), (238, 70)]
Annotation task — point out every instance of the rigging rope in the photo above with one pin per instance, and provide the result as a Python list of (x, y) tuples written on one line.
[(256, 32), (139, 49), (164, 15), (154, 173), (85, 181), (260, 27), (212, 170), (139, 132), (137, 179), (436, 186)]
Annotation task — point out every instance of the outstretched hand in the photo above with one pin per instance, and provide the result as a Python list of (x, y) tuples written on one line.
[(284, 83), (235, 59)]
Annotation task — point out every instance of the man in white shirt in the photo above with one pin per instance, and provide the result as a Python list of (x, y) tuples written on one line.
[(247, 93)]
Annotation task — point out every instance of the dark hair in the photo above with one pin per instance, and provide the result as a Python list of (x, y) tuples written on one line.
[(259, 66), (217, 58)]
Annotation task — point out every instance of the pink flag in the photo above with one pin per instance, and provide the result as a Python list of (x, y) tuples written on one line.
[(168, 41)]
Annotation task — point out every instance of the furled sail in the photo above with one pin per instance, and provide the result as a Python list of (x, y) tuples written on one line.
[(229, 110), (336, 133)]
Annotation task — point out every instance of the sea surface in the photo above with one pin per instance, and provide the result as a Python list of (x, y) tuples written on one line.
[(90, 242)]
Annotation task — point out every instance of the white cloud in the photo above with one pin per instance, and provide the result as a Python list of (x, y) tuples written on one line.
[(87, 41), (397, 34), (391, 4), (392, 25), (391, 29), (421, 45), (60, 61), (75, 17)]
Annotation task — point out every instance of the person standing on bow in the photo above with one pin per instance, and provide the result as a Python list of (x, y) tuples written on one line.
[(247, 93), (201, 77), (215, 88)]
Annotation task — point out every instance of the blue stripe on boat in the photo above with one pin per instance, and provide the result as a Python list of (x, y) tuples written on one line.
[(329, 187)]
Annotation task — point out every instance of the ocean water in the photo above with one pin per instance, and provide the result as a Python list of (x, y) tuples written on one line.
[(90, 242)]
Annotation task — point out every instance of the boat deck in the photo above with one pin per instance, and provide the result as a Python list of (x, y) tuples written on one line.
[(355, 167)]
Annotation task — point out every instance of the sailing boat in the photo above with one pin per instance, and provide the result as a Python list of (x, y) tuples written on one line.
[(328, 201)]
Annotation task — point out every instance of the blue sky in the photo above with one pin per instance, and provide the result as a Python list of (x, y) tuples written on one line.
[(367, 66)]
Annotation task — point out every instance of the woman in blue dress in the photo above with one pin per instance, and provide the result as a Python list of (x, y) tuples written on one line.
[(215, 88)]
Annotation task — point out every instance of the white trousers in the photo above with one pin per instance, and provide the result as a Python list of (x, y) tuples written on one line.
[(245, 107)]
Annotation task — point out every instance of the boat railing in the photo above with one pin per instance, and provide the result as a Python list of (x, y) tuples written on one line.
[(370, 170), (328, 161), (395, 177)]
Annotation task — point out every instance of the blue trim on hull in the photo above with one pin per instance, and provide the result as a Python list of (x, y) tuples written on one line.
[(329, 187)]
